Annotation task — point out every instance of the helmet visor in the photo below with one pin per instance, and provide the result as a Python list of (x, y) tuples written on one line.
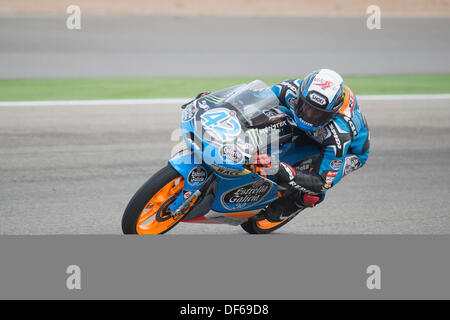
[(313, 115)]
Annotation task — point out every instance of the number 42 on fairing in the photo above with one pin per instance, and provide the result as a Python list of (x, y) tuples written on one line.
[(222, 123)]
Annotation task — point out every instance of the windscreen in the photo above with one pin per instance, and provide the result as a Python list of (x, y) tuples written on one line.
[(230, 120), (253, 99)]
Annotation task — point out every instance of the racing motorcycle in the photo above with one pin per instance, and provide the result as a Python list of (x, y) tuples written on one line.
[(234, 140)]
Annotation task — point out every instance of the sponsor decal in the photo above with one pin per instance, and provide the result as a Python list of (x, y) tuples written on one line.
[(318, 99), (214, 99), (320, 134), (289, 170), (324, 84), (246, 195), (305, 165), (352, 126), (336, 164), (351, 101), (290, 86), (197, 176), (352, 163), (292, 102), (202, 104), (259, 183), (231, 172), (300, 188), (231, 152), (189, 112), (330, 178), (273, 127), (254, 137), (305, 122), (278, 125), (336, 137), (187, 194)]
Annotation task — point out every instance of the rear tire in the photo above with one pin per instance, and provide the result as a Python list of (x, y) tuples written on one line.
[(143, 199), (263, 226)]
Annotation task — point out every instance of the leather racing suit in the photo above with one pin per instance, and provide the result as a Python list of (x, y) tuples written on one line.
[(344, 143)]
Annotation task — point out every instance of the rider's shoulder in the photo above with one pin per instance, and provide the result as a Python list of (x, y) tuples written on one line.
[(292, 85), (336, 132), (339, 124), (286, 91)]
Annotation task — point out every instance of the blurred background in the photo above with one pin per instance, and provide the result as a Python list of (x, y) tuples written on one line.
[(199, 38), (72, 168)]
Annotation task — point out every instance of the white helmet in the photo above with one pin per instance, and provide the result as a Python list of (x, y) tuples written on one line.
[(320, 97)]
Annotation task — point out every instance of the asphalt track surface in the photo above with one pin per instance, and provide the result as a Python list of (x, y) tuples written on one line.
[(73, 169), (36, 47)]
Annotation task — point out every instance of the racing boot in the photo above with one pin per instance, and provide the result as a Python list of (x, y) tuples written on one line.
[(283, 208), (291, 204)]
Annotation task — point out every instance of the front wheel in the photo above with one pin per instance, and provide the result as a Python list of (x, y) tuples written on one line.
[(148, 211)]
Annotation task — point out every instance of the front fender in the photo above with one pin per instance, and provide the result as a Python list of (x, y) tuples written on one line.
[(194, 173)]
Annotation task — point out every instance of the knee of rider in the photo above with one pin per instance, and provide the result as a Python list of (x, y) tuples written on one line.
[(310, 200)]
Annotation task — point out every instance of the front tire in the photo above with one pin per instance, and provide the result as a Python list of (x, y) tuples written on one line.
[(147, 212)]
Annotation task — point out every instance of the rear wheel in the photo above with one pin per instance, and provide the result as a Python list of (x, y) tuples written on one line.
[(148, 211), (255, 226)]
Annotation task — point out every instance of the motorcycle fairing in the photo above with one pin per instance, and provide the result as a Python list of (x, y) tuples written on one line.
[(194, 173), (243, 192), (260, 189), (206, 125)]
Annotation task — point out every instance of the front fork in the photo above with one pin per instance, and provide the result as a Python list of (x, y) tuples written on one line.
[(187, 165)]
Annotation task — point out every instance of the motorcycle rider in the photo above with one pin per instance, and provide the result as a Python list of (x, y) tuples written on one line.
[(327, 115)]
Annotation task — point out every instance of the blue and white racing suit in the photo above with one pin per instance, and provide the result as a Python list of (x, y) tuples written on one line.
[(344, 142)]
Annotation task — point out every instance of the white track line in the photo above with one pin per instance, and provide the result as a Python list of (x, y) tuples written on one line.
[(93, 102), (184, 100), (393, 97)]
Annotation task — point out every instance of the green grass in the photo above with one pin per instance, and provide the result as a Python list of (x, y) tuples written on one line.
[(135, 88)]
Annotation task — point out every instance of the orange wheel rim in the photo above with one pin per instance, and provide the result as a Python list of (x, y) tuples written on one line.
[(150, 220), (266, 224)]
